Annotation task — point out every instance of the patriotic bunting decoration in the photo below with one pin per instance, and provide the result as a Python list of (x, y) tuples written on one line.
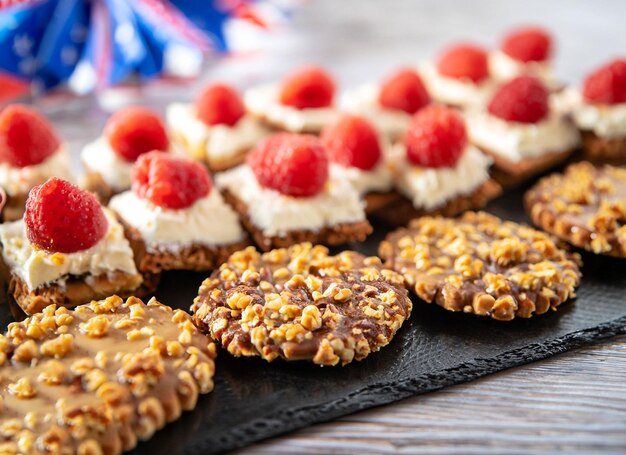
[(90, 44)]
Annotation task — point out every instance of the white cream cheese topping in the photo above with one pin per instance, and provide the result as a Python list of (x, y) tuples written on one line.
[(98, 156), (208, 221), (456, 92), (19, 180), (518, 141), (430, 188), (263, 102), (604, 120), (219, 142), (364, 101), (277, 214), (38, 267)]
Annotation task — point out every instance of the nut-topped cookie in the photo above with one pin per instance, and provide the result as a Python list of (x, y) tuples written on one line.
[(301, 303), (482, 265), (585, 205), (96, 379)]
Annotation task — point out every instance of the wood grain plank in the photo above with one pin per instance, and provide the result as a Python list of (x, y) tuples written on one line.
[(575, 402)]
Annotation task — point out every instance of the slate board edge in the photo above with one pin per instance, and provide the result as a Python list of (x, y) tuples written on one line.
[(388, 392)]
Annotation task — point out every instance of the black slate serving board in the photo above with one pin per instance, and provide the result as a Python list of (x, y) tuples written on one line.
[(253, 400)]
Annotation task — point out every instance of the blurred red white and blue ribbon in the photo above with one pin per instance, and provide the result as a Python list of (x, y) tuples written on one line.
[(91, 44)]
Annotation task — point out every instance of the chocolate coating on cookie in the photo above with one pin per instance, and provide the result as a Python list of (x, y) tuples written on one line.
[(301, 303), (96, 379), (586, 206), (482, 265)]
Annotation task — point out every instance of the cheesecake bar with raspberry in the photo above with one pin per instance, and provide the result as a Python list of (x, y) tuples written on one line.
[(216, 129), (435, 170), (30, 153), (303, 102), (525, 51), (599, 112), (174, 218), (521, 131), (459, 77), (67, 250), (287, 193), (360, 156), (108, 160), (390, 104)]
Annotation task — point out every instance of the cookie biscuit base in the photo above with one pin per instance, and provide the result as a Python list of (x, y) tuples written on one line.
[(199, 153), (583, 206), (376, 201), (196, 257), (510, 174), (80, 290), (14, 207), (99, 378), (603, 150), (479, 264), (302, 304), (280, 126), (94, 182), (400, 211), (332, 235)]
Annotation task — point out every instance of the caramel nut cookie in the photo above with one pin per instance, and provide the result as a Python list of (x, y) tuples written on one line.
[(96, 379), (585, 205), (482, 265), (301, 303)]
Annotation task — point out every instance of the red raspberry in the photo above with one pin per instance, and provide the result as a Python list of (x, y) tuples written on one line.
[(135, 130), (523, 99), (307, 87), (352, 141), (220, 104), (26, 137), (464, 61), (528, 44), (292, 164), (62, 218), (607, 84), (169, 181), (436, 137), (404, 91)]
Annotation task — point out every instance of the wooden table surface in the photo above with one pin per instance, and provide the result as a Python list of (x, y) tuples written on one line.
[(575, 402)]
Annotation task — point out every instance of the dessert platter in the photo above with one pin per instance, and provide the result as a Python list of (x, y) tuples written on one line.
[(263, 260)]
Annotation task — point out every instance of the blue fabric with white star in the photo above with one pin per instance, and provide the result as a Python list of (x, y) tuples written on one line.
[(44, 41)]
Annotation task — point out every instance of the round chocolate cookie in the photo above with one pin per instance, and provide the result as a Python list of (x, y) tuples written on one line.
[(585, 206), (301, 303), (482, 265)]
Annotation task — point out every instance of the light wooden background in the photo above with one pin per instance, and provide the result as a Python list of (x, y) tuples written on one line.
[(575, 402)]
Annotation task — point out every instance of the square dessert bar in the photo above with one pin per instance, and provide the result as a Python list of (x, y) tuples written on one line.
[(37, 278), (67, 250), (179, 222), (267, 238), (286, 194)]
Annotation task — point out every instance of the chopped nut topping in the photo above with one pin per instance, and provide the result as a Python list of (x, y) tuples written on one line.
[(289, 303), (585, 206), (491, 268), (102, 390), (96, 327)]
